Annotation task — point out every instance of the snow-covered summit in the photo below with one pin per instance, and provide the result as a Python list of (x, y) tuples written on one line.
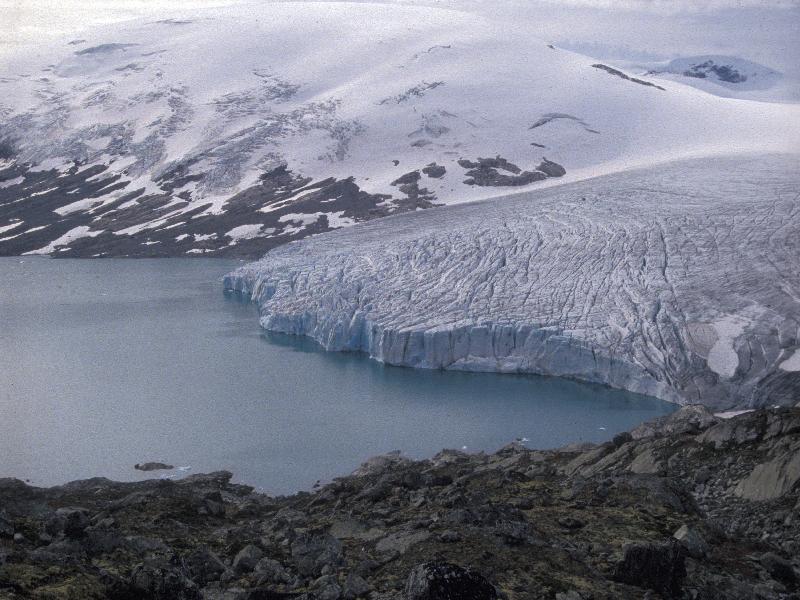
[(232, 130)]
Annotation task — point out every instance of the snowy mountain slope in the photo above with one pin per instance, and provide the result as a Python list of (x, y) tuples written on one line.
[(240, 128), (678, 281)]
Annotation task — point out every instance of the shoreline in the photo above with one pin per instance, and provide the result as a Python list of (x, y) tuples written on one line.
[(686, 506)]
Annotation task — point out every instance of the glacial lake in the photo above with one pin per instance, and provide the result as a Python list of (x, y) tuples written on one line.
[(108, 363)]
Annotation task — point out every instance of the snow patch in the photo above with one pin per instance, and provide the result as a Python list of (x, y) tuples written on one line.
[(722, 358), (245, 232), (10, 227), (792, 363), (9, 182), (73, 234)]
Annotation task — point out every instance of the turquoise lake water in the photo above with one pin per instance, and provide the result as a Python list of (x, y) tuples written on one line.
[(108, 363)]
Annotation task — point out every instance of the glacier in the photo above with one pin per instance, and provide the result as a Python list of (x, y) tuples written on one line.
[(680, 281)]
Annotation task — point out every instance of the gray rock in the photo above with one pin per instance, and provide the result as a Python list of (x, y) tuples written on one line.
[(6, 526), (779, 568), (440, 581), (772, 479), (435, 171), (351, 529), (355, 586), (382, 463), (659, 567), (692, 418), (162, 581), (401, 541), (247, 558), (326, 588), (271, 571), (449, 536), (71, 522), (692, 541), (313, 552), (203, 565), (152, 466)]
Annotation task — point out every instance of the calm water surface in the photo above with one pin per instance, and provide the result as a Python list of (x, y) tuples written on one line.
[(106, 363)]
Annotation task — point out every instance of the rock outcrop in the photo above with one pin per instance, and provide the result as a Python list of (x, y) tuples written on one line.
[(567, 524), (677, 282)]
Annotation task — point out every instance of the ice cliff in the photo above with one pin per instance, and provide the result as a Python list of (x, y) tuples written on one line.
[(680, 281)]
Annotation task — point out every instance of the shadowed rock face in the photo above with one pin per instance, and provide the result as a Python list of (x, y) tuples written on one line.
[(570, 524), (678, 282)]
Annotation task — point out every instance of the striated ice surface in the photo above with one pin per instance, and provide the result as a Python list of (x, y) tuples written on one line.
[(680, 281)]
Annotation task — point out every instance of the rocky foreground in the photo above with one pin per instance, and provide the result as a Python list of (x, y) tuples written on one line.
[(690, 506)]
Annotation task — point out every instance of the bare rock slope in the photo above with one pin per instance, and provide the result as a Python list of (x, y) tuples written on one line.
[(679, 281)]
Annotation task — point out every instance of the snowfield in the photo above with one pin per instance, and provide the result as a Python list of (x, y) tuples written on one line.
[(680, 281), (210, 133)]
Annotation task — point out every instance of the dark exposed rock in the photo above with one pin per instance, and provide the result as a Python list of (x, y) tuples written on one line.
[(203, 565), (780, 568), (408, 184), (247, 559), (118, 227), (311, 553), (660, 567), (726, 73), (622, 75), (163, 582), (152, 466), (692, 541), (411, 177), (486, 172), (622, 438), (551, 169), (6, 526), (71, 522), (435, 171), (355, 587), (445, 581)]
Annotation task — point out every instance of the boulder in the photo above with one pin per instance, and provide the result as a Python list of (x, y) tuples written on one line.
[(659, 567), (691, 418), (203, 565), (71, 522), (692, 541), (247, 559), (6, 526), (355, 586), (380, 464), (326, 588), (771, 479), (445, 581), (779, 568), (311, 553), (162, 581), (271, 571), (401, 541)]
